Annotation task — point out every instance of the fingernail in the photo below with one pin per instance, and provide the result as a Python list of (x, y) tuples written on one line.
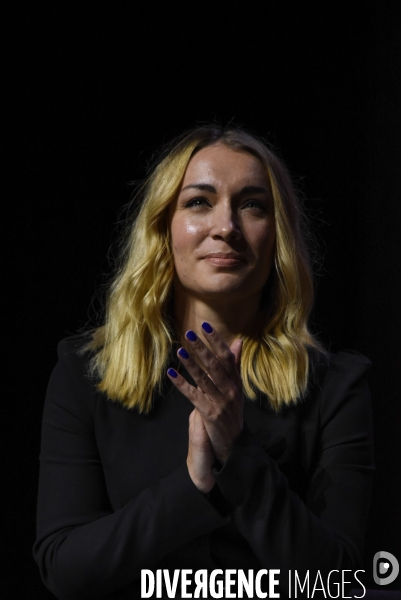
[(191, 336), (182, 352), (172, 373), (208, 328)]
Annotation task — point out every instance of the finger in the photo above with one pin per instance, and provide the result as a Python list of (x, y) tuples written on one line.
[(194, 395), (236, 349), (220, 349), (215, 383), (196, 426), (197, 433), (199, 426)]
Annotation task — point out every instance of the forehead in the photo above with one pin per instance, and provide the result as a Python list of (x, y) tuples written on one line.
[(219, 164)]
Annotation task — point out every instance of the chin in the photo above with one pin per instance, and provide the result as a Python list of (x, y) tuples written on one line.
[(224, 292)]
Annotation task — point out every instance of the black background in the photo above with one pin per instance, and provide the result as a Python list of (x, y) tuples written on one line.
[(97, 87)]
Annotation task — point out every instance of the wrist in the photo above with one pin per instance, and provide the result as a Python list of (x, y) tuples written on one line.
[(203, 483)]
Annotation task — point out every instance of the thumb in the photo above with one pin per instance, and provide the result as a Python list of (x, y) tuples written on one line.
[(236, 349)]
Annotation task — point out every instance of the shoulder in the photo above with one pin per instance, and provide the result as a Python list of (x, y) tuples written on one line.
[(73, 344), (71, 381), (344, 370), (343, 387), (349, 361), (73, 351), (339, 367)]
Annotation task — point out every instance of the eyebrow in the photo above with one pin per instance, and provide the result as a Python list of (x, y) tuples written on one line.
[(206, 187)]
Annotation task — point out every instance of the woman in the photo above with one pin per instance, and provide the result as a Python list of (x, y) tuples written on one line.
[(206, 324)]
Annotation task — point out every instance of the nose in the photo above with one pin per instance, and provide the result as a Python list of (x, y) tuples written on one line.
[(226, 224)]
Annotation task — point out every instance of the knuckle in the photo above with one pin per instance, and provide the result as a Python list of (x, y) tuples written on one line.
[(205, 379), (198, 344), (214, 364), (227, 355), (220, 413), (231, 395), (192, 392), (212, 415)]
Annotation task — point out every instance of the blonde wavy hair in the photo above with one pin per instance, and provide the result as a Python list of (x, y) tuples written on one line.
[(131, 350)]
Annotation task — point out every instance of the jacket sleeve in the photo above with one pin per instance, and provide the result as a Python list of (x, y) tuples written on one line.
[(83, 548), (325, 532)]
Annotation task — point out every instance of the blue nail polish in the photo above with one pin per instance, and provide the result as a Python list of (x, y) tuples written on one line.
[(191, 336), (172, 373), (208, 328), (182, 352)]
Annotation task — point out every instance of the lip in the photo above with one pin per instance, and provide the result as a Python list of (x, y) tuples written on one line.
[(224, 258), (224, 255)]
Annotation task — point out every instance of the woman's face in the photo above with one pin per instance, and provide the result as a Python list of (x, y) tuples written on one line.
[(222, 225)]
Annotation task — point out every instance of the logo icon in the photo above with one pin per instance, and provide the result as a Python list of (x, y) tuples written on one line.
[(385, 563)]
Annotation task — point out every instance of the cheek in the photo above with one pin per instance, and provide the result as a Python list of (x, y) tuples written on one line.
[(184, 235), (264, 240)]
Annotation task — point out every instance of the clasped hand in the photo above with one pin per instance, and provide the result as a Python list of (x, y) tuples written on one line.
[(217, 419)]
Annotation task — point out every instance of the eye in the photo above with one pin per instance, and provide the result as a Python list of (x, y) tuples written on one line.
[(255, 205), (197, 202)]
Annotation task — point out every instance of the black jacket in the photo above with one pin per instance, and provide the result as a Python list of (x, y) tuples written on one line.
[(115, 496)]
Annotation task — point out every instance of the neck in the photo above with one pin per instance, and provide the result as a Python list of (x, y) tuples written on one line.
[(230, 318)]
